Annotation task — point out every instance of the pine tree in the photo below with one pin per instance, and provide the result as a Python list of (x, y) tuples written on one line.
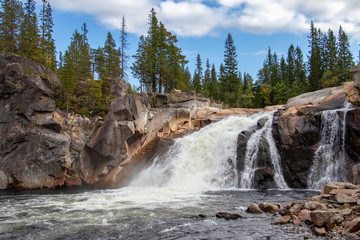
[(290, 63), (314, 61), (10, 19), (68, 79), (123, 46), (213, 84), (151, 50), (206, 80), (112, 59), (345, 60), (47, 43), (198, 76), (29, 33), (232, 82), (300, 73), (138, 68)]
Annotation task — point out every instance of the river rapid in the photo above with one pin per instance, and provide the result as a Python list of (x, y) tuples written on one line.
[(197, 176), (134, 213)]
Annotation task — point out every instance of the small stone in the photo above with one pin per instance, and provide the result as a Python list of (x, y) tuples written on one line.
[(228, 216), (322, 218), (313, 205), (254, 208), (343, 198), (202, 215), (354, 225), (282, 220), (295, 220), (304, 215), (320, 231), (270, 207), (295, 210)]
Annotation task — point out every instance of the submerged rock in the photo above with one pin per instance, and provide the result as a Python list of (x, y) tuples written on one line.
[(228, 216)]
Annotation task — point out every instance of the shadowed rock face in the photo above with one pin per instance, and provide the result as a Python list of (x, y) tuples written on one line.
[(297, 127)]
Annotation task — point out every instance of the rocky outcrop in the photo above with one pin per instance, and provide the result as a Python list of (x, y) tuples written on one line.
[(333, 213), (297, 127), (41, 147)]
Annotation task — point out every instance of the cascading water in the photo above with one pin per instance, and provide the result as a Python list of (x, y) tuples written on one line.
[(329, 158), (252, 157), (206, 159)]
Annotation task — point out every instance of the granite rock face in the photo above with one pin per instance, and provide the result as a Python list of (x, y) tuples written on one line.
[(42, 147)]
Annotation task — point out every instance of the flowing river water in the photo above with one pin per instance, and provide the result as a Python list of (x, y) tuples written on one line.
[(196, 176)]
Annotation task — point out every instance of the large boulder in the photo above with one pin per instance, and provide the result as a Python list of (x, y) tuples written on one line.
[(297, 131)]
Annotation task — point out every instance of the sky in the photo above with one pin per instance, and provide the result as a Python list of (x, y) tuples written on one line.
[(202, 25)]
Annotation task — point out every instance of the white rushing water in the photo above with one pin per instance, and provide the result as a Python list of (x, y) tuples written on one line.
[(252, 157), (329, 158), (201, 161)]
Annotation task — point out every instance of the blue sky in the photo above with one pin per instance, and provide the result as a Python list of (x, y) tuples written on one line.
[(202, 25)]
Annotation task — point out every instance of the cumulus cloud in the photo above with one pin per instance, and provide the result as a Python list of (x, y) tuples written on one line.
[(204, 17)]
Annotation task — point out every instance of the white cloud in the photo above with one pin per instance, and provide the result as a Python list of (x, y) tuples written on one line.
[(204, 17)]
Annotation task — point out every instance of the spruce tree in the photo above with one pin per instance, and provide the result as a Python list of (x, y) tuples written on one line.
[(138, 68), (213, 84), (314, 61), (47, 43), (206, 81), (198, 76), (290, 63), (11, 14), (300, 73), (29, 33), (345, 60), (232, 82), (112, 59)]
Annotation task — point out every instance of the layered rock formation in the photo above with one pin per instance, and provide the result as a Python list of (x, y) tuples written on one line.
[(41, 147)]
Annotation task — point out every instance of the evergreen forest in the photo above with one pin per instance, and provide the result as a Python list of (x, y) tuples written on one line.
[(160, 65)]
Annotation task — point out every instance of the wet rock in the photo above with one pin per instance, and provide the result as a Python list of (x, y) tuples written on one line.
[(343, 198), (322, 218), (282, 220), (356, 174), (326, 189), (228, 216), (320, 231), (254, 208), (202, 216), (264, 178), (270, 207)]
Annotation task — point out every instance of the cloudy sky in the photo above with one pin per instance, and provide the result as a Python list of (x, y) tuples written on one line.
[(202, 25)]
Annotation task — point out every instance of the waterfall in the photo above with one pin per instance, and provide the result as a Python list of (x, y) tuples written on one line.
[(252, 157), (329, 158), (204, 160)]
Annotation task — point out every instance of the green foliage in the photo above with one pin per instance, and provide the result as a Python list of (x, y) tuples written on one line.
[(11, 16), (158, 61)]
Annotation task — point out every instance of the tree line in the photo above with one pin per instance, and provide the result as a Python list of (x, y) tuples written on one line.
[(160, 66), (25, 33), (279, 79), (85, 72)]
